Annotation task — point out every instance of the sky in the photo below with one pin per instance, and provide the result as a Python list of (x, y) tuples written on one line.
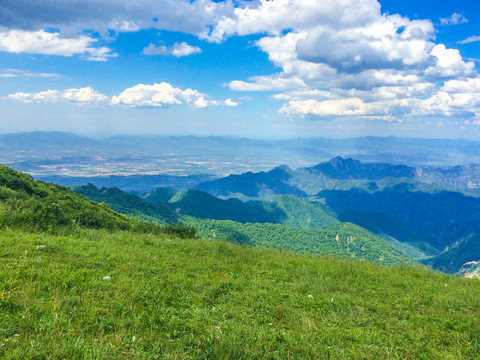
[(258, 69)]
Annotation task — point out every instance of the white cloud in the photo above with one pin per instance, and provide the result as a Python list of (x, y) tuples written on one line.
[(156, 95), (267, 83), (72, 17), (16, 73), (141, 95), (465, 86), (449, 63), (347, 107), (302, 94), (83, 95), (230, 102), (183, 49), (346, 58), (469, 40), (41, 42), (455, 19), (49, 96), (177, 49), (153, 49), (454, 98), (374, 46), (275, 16)]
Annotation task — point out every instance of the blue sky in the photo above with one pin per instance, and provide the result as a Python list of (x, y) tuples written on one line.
[(260, 69)]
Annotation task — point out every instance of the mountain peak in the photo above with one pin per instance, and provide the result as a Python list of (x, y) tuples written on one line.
[(284, 168), (338, 160), (348, 168)]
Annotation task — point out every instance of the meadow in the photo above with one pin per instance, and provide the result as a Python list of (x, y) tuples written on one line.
[(111, 294)]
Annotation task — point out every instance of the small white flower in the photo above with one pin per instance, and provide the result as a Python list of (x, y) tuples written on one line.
[(107, 278), (331, 300), (310, 296)]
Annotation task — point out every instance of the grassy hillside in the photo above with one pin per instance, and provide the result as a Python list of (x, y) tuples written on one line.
[(42, 207), (118, 295), (37, 206)]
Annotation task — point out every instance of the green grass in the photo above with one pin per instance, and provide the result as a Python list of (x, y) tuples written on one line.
[(197, 299)]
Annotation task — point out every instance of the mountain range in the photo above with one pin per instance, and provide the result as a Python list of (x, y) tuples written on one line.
[(342, 174), (181, 162)]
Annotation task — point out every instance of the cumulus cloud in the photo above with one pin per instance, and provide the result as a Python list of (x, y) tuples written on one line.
[(455, 19), (275, 16), (348, 107), (346, 58), (193, 17), (454, 98), (83, 95), (42, 42), (23, 22), (141, 95), (177, 49), (230, 102)]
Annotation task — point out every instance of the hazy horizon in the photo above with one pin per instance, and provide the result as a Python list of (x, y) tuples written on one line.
[(113, 135)]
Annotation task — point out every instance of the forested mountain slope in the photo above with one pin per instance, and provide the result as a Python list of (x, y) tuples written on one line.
[(286, 222)]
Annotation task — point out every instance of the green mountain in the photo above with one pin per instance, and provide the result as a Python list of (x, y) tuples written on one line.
[(298, 212), (159, 195), (342, 240), (343, 169), (440, 219), (205, 206), (262, 185), (420, 224), (392, 230), (342, 174), (452, 260), (128, 204), (287, 209)]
